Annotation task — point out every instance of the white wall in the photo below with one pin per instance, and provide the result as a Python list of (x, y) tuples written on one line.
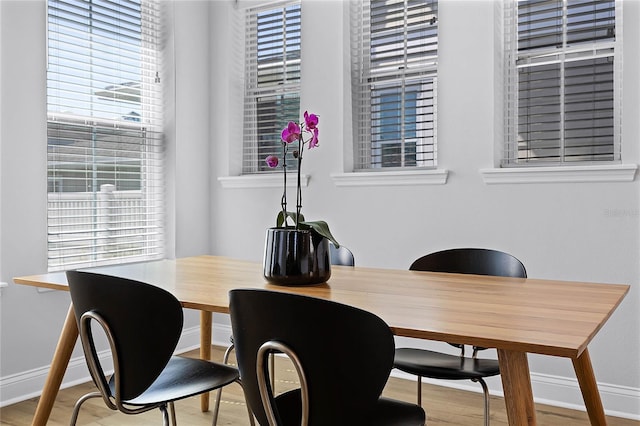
[(29, 319), (2, 284), (587, 232), (573, 231)]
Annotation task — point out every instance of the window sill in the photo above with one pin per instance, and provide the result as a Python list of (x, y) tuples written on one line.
[(265, 180), (401, 178), (561, 174)]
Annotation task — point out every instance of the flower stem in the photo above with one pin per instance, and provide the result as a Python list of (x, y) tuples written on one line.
[(283, 201), (299, 187)]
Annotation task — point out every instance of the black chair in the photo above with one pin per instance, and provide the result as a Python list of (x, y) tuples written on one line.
[(339, 256), (436, 365), (142, 324), (317, 335)]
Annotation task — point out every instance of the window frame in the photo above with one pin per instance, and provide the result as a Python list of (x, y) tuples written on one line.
[(371, 70), (509, 153), (284, 91), (95, 116)]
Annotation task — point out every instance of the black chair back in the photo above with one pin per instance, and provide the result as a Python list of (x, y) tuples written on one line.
[(145, 322), (476, 261), (341, 255), (346, 353)]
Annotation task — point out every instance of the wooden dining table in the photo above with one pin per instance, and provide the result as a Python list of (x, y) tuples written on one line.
[(516, 316)]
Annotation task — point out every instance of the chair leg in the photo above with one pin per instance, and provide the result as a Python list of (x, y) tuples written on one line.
[(420, 390), (76, 408), (165, 415), (225, 360), (251, 418), (485, 391), (172, 411)]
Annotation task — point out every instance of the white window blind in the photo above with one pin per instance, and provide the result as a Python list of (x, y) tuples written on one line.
[(104, 140), (563, 82), (272, 82), (394, 79)]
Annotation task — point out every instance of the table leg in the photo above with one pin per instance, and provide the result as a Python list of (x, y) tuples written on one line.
[(589, 387), (516, 382), (61, 357), (206, 320)]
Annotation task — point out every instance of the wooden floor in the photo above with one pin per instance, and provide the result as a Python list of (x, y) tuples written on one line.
[(444, 406)]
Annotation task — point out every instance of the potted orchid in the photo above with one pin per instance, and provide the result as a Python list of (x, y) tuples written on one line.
[(296, 250)]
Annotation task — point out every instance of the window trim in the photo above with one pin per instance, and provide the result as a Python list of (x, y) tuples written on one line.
[(262, 180), (373, 178), (392, 178), (560, 174)]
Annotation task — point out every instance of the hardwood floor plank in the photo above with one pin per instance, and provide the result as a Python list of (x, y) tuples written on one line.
[(444, 406)]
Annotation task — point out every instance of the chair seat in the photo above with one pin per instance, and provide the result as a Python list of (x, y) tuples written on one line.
[(392, 412), (436, 365), (183, 378), (387, 412)]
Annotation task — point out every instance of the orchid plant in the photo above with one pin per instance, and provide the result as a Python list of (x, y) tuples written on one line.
[(293, 135)]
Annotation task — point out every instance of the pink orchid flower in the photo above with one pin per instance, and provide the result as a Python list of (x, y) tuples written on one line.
[(310, 121), (272, 161), (291, 133), (313, 142)]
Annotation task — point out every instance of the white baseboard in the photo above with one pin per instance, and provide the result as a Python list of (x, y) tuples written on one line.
[(618, 401), (29, 384)]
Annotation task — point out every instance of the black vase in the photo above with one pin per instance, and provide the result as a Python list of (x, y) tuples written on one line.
[(296, 257)]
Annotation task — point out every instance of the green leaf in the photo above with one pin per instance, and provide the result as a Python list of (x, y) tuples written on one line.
[(281, 219), (322, 228), (319, 226)]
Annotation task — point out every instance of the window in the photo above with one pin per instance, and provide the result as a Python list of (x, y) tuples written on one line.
[(272, 81), (394, 77), (563, 95), (104, 140)]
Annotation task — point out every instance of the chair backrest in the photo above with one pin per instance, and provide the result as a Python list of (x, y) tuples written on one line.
[(346, 353), (144, 321), (341, 255), (477, 261)]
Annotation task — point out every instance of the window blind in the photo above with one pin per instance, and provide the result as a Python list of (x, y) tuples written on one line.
[(104, 139), (394, 75), (272, 81), (563, 85)]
